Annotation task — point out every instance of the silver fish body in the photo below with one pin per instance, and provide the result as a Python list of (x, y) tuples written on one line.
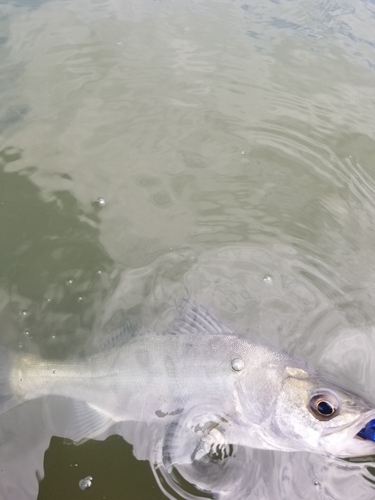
[(203, 376)]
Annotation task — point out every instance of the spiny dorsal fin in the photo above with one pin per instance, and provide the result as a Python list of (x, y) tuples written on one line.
[(118, 337), (196, 319)]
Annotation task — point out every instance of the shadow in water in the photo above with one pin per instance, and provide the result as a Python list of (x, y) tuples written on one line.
[(53, 270)]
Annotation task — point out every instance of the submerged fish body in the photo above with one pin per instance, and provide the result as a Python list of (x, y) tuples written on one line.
[(197, 379)]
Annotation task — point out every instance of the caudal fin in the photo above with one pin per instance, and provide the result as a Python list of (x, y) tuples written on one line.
[(7, 397)]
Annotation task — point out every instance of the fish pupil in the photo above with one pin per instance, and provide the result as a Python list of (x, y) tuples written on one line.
[(325, 408)]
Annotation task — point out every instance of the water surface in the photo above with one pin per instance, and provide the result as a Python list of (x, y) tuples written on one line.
[(222, 151)]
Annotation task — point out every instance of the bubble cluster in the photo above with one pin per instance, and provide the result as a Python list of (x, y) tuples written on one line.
[(268, 280), (85, 483)]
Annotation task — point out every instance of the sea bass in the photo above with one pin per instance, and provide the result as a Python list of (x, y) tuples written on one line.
[(202, 377)]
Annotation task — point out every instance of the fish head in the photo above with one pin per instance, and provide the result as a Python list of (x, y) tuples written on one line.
[(313, 414)]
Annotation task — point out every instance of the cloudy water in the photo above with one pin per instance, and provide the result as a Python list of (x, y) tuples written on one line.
[(153, 150)]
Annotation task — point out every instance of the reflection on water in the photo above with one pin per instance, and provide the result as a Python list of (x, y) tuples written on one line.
[(233, 144)]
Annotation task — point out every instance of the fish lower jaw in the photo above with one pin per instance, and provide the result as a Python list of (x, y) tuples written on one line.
[(345, 443)]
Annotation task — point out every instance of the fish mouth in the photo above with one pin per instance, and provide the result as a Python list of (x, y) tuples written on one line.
[(350, 440)]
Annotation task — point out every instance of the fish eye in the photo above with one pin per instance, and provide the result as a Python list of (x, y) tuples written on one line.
[(323, 405)]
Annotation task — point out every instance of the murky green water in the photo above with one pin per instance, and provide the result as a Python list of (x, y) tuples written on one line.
[(156, 150)]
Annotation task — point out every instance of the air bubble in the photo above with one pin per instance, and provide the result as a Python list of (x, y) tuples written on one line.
[(237, 364), (85, 483), (101, 202), (268, 280), (79, 299), (70, 281), (24, 313), (27, 332)]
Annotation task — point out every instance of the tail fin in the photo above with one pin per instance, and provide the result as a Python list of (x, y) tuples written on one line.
[(8, 399)]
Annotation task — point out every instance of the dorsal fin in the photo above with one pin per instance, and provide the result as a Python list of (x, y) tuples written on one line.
[(196, 319), (117, 337)]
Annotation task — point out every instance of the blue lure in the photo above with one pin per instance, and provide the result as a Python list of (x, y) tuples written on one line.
[(368, 432)]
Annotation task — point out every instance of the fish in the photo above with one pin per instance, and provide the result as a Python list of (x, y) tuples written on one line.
[(208, 387)]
